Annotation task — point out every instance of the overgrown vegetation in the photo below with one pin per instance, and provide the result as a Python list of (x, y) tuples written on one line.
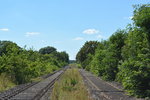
[(20, 65), (70, 87), (125, 56), (5, 82)]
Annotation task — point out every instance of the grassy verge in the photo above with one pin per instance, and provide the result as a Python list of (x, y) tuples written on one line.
[(70, 87), (5, 82)]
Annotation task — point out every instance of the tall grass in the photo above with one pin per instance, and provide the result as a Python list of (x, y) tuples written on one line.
[(5, 82), (70, 87)]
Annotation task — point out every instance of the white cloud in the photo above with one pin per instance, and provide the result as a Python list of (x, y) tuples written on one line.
[(78, 38), (32, 33), (90, 31), (4, 29)]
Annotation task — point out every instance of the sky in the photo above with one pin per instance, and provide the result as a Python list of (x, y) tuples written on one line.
[(63, 24)]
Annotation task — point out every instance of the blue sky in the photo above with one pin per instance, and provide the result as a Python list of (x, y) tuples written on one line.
[(64, 24)]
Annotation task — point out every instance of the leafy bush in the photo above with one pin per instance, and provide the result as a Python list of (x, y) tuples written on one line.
[(25, 65), (135, 78)]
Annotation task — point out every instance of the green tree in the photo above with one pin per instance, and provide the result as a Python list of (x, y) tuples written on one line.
[(134, 72), (8, 47), (47, 50), (23, 65), (64, 56), (88, 48), (96, 65), (108, 55), (142, 16)]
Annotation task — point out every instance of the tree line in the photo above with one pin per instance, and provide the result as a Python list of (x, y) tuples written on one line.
[(125, 56), (22, 65)]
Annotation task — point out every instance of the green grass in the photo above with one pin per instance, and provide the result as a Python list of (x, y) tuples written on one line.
[(70, 87), (5, 82), (75, 65)]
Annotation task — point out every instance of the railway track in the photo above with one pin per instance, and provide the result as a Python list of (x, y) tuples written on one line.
[(101, 90), (34, 90)]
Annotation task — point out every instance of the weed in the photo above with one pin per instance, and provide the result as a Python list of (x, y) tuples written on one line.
[(70, 87), (5, 82)]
